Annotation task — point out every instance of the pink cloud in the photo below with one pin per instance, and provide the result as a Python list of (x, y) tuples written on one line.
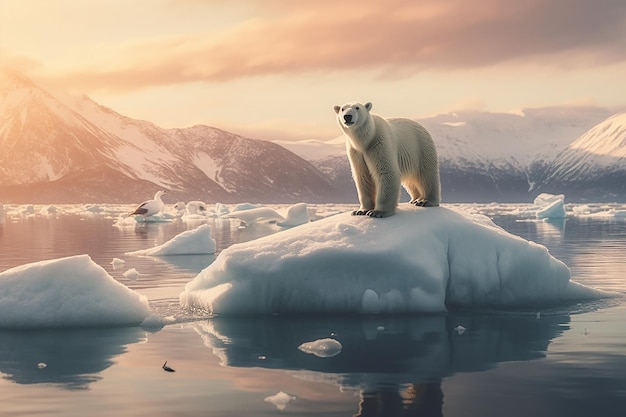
[(393, 37)]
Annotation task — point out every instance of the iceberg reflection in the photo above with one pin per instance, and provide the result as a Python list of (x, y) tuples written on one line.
[(395, 362), (70, 358)]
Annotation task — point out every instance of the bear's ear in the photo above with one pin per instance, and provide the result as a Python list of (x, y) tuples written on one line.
[(368, 106), (337, 108)]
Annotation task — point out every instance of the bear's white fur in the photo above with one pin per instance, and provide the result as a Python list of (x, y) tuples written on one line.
[(385, 153)]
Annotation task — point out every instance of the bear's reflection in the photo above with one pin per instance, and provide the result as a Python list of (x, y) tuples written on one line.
[(397, 363)]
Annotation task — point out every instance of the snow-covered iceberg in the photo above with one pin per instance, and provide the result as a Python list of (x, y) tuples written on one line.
[(67, 292), (419, 260)]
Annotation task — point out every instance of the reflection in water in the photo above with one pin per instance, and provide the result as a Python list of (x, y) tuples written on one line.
[(73, 357), (396, 363), (415, 400)]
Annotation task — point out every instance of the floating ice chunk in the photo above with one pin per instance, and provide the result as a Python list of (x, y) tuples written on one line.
[(257, 215), (48, 210), (280, 400), (551, 206), (72, 291), (131, 274), (117, 263), (191, 242), (221, 209), (245, 206), (323, 348), (180, 208), (460, 329), (545, 199), (197, 208), (155, 218), (28, 210), (419, 260), (42, 365), (155, 322), (296, 215)]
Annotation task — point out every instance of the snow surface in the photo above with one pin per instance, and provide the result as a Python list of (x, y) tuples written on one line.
[(65, 292), (190, 242), (419, 260)]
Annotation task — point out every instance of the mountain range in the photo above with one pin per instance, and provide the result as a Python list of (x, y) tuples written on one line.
[(512, 157), (76, 150), (73, 150)]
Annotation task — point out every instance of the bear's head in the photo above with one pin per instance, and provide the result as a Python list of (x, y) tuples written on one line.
[(352, 115)]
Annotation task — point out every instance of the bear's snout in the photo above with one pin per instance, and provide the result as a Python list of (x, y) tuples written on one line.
[(347, 118)]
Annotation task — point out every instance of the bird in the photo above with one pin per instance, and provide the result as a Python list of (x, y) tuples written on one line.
[(167, 368), (150, 207)]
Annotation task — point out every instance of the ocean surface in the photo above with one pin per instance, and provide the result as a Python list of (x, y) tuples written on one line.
[(567, 360)]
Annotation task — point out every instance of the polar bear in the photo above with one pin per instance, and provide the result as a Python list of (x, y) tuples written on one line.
[(385, 153)]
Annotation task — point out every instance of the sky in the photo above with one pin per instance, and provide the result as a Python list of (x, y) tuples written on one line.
[(274, 69)]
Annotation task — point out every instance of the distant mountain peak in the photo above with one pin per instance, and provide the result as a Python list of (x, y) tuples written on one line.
[(607, 138), (11, 79)]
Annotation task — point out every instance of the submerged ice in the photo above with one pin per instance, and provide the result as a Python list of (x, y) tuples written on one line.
[(419, 260)]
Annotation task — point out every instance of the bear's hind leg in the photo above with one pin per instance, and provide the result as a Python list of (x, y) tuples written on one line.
[(419, 197)]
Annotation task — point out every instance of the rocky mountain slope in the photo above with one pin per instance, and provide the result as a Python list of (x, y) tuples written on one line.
[(78, 151)]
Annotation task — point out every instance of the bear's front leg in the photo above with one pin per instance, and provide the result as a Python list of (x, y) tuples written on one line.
[(364, 183), (379, 214)]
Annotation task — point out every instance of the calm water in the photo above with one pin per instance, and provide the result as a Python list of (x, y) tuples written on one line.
[(566, 361)]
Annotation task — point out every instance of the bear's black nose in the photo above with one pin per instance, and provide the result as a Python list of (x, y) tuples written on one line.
[(347, 118)]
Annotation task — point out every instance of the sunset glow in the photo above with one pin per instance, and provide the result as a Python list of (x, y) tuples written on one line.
[(273, 69)]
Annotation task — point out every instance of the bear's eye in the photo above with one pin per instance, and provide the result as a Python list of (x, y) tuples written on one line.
[(357, 107)]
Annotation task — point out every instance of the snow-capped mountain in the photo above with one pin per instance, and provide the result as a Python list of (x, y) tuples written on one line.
[(76, 150), (495, 156), (594, 165)]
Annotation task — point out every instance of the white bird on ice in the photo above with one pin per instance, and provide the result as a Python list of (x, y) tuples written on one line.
[(150, 207)]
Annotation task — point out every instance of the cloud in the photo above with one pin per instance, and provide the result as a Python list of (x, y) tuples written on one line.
[(395, 38)]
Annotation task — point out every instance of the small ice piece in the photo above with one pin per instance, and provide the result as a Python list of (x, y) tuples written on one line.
[(131, 274), (460, 329), (196, 208), (280, 399), (117, 263), (180, 208), (323, 348), (42, 365), (48, 210), (153, 321), (257, 215), (551, 206), (296, 215), (380, 328), (221, 209), (262, 357)]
